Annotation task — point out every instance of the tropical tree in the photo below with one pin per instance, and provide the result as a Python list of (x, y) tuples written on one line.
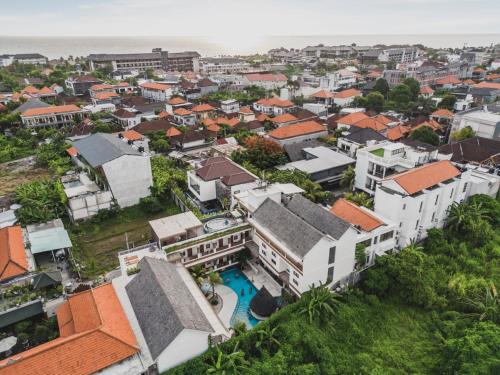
[(319, 304), (267, 338), (347, 178), (239, 328), (488, 306), (214, 279), (448, 102), (198, 274), (464, 133), (382, 87), (457, 216), (361, 199), (233, 363), (425, 134)]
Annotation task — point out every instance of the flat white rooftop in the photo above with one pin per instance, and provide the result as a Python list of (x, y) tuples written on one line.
[(325, 158), (174, 225)]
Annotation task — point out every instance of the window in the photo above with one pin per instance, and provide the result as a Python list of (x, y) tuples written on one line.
[(295, 282), (437, 199), (329, 277), (452, 191), (274, 261), (400, 224), (365, 243), (404, 206), (263, 245), (295, 273), (433, 216), (386, 236), (273, 253), (416, 225), (465, 188), (421, 205), (331, 256), (375, 240), (263, 252)]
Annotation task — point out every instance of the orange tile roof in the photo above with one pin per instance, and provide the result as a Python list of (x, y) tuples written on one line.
[(106, 95), (131, 135), (155, 86), (246, 110), (433, 124), (488, 85), (95, 334), (208, 122), (173, 132), (448, 80), (443, 112), (397, 132), (370, 123), (275, 102), (13, 260), (355, 215), (323, 94), (479, 70), (384, 120), (262, 117), (46, 91), (2, 107), (176, 101), (492, 76), (426, 90), (352, 118), (30, 90), (295, 130), (72, 151), (51, 110), (214, 128), (202, 108), (347, 93), (101, 86), (286, 117), (182, 112), (123, 84), (374, 74), (266, 77), (163, 114), (228, 122), (469, 82), (418, 179)]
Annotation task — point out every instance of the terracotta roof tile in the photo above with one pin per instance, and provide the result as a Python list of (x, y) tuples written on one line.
[(352, 118), (106, 95), (131, 135), (487, 85), (155, 86), (176, 101), (370, 123), (347, 93), (30, 90), (275, 102), (418, 179), (266, 77), (101, 86), (72, 151), (202, 108), (51, 110), (173, 132), (397, 132), (295, 130), (246, 110), (214, 128), (448, 80), (13, 260), (101, 337), (284, 118), (443, 112), (355, 215), (323, 94), (182, 112), (262, 117), (426, 90)]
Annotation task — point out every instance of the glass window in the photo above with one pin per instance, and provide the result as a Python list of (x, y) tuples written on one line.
[(386, 236), (465, 188), (274, 261), (452, 191), (437, 199), (295, 273), (295, 282), (330, 275), (331, 256), (421, 205), (416, 225)]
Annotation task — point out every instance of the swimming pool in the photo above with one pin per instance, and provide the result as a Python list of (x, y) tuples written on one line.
[(237, 281)]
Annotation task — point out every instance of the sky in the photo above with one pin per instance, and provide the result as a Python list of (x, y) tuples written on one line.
[(246, 18)]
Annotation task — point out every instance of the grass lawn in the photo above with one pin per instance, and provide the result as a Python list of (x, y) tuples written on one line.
[(97, 244), (378, 152)]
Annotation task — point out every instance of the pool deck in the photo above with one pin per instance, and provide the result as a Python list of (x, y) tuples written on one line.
[(259, 277), (229, 302)]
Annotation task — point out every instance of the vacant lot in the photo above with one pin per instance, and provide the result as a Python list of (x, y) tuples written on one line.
[(97, 244), (18, 172)]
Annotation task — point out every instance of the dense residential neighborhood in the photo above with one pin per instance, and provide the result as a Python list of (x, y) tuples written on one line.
[(169, 212)]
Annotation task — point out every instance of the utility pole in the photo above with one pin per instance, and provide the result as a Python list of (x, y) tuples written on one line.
[(126, 239)]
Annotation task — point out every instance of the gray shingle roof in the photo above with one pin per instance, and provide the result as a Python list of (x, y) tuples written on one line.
[(100, 148), (318, 217), (295, 233), (163, 304), (363, 135)]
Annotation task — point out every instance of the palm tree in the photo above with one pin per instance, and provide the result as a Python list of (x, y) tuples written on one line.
[(457, 216), (414, 246), (214, 279), (198, 274), (347, 178), (267, 338), (228, 364), (487, 308), (361, 199), (319, 303)]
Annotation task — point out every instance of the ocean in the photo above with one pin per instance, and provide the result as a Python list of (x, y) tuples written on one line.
[(55, 47)]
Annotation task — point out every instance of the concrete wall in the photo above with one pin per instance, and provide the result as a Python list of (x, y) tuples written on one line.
[(129, 178)]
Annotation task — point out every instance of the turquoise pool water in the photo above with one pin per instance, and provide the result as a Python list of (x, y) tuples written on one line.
[(237, 281)]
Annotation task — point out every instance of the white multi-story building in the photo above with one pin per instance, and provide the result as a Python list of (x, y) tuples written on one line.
[(379, 161), (420, 199), (339, 79), (157, 92), (223, 65), (123, 167), (219, 178), (303, 244), (268, 81), (62, 115), (485, 122), (400, 55)]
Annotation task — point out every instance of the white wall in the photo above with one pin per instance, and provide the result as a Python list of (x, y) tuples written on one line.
[(129, 178), (188, 344), (207, 188)]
